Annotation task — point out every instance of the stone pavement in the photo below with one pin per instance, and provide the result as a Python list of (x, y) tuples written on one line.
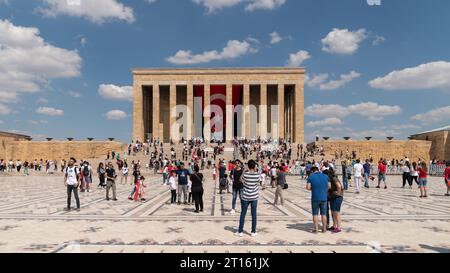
[(394, 220)]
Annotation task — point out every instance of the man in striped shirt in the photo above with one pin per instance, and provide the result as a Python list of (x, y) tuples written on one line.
[(250, 197)]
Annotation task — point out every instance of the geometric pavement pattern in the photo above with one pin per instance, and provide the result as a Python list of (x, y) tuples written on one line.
[(32, 219)]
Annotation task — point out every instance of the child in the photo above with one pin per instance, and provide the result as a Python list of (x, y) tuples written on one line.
[(263, 180), (139, 189), (173, 187)]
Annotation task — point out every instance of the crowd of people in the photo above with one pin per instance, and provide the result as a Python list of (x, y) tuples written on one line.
[(183, 175)]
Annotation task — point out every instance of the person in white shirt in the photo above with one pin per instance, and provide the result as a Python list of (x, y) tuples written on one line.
[(173, 188), (72, 182), (125, 172), (358, 169)]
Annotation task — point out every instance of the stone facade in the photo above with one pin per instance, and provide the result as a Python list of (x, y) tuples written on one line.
[(5, 136), (440, 148), (57, 150), (152, 112), (395, 149)]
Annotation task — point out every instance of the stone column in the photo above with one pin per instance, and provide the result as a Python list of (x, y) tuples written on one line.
[(229, 125), (206, 103), (281, 112), (190, 106), (157, 133), (263, 113), (299, 112), (246, 102), (172, 110), (138, 112)]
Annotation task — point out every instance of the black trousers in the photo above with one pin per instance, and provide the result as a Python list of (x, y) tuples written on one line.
[(198, 199), (407, 178), (73, 188), (173, 199)]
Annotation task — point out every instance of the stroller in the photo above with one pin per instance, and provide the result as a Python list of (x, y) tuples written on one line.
[(223, 184)]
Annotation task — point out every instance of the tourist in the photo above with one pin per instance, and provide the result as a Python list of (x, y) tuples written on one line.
[(25, 168), (197, 188), (423, 176), (344, 175), (367, 168), (447, 178), (336, 194), (87, 177), (358, 169), (250, 197), (72, 182), (182, 183), (165, 174), (139, 189), (111, 177), (124, 173), (318, 183), (382, 173), (18, 165), (414, 173), (172, 187), (223, 178), (281, 183), (101, 175), (237, 187), (189, 188), (406, 176)]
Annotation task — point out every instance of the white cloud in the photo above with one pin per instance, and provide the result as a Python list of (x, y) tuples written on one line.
[(320, 80), (114, 92), (378, 40), (41, 101), (8, 97), (371, 110), (74, 94), (50, 111), (233, 50), (325, 122), (27, 62), (425, 76), (116, 115), (433, 116), (251, 5), (296, 59), (98, 11), (37, 122), (275, 38), (5, 110), (330, 110), (343, 41)]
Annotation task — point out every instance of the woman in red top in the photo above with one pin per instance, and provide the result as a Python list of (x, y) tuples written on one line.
[(447, 178), (423, 175), (382, 173)]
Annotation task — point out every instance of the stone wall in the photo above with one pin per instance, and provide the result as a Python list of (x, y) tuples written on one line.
[(395, 149), (440, 149), (57, 150)]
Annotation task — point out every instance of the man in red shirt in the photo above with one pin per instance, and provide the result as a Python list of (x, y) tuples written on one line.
[(382, 173), (447, 178)]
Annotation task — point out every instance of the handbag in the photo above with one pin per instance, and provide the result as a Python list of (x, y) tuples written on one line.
[(286, 186)]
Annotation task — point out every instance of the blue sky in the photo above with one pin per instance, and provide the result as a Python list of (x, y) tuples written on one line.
[(372, 70)]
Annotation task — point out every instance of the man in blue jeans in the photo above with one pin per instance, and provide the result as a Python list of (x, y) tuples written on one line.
[(238, 187), (318, 183), (366, 173)]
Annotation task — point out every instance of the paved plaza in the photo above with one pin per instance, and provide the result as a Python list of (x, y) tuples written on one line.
[(32, 219)]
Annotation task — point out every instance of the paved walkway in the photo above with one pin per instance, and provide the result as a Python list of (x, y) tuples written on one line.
[(394, 220)]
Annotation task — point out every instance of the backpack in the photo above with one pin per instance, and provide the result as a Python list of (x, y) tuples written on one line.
[(86, 171)]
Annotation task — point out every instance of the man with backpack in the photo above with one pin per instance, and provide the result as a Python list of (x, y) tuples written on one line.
[(72, 182), (87, 177), (182, 183), (223, 178)]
